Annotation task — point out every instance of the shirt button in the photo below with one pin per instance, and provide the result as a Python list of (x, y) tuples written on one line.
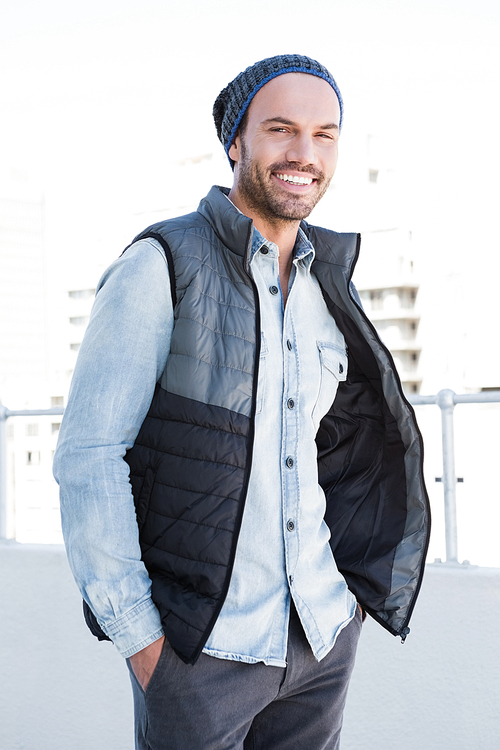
[(273, 289), (290, 525), (289, 345), (264, 250), (289, 462), (290, 403)]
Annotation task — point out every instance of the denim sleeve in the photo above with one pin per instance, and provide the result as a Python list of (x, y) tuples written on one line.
[(122, 356)]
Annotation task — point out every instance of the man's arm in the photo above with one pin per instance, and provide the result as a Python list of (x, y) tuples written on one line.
[(122, 356)]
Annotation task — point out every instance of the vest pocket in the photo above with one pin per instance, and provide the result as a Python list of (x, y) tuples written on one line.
[(142, 502), (333, 362)]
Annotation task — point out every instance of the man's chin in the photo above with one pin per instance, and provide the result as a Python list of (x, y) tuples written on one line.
[(296, 210)]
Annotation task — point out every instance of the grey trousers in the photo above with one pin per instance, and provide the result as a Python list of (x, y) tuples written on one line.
[(229, 705)]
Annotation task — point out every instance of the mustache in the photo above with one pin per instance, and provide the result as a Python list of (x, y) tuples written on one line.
[(289, 166)]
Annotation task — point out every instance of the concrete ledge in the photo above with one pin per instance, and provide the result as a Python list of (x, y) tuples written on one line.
[(62, 690)]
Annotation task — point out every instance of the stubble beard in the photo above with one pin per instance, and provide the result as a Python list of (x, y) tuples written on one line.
[(277, 208)]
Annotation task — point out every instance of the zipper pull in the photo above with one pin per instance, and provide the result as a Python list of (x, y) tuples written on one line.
[(404, 634)]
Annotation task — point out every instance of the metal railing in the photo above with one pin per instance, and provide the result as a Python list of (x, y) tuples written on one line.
[(445, 399), (4, 416)]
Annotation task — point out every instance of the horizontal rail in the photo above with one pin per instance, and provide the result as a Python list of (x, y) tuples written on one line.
[(485, 397), (446, 400), (55, 411)]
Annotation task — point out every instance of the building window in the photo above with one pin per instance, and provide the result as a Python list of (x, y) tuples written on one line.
[(56, 401), (74, 347), (372, 175), (32, 430), (33, 458), (79, 320), (377, 300), (56, 426), (10, 430), (82, 293)]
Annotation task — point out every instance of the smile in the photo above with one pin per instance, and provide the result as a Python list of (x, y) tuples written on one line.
[(294, 179)]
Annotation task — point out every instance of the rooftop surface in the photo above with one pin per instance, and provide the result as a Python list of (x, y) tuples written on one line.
[(61, 689)]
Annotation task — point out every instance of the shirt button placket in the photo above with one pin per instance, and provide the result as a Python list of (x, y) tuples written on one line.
[(290, 420)]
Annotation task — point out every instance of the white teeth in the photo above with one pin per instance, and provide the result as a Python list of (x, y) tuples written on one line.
[(295, 179)]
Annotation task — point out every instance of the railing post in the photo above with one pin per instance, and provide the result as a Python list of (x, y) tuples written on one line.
[(446, 402), (3, 471)]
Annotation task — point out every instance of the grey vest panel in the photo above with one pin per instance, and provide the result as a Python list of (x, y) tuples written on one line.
[(214, 315), (216, 310)]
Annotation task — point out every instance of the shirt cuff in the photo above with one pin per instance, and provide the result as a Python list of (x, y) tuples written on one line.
[(136, 629)]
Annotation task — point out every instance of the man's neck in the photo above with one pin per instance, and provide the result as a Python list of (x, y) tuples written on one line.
[(282, 233)]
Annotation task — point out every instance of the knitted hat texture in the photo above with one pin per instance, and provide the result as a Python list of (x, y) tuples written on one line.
[(233, 101)]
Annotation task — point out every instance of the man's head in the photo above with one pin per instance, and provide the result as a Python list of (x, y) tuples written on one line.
[(233, 102), (282, 137)]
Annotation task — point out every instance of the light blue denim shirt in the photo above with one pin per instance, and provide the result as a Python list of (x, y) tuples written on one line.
[(283, 547)]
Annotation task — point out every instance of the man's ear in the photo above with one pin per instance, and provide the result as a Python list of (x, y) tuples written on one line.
[(235, 149)]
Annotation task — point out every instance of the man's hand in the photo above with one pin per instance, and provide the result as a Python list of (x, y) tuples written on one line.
[(144, 662)]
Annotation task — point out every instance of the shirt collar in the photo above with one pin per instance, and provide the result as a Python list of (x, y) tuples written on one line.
[(303, 252)]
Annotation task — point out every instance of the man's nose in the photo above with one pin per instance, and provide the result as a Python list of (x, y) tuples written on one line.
[(301, 150)]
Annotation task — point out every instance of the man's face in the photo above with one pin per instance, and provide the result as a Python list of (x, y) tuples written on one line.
[(287, 154)]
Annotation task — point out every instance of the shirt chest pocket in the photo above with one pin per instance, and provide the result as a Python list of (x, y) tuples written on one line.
[(333, 370)]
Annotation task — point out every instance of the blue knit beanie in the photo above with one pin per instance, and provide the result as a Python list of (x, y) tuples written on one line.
[(233, 101)]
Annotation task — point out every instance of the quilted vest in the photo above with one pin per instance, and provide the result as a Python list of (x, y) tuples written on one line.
[(191, 461)]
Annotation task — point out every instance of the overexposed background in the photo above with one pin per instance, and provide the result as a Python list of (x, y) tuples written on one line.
[(106, 114), (100, 98)]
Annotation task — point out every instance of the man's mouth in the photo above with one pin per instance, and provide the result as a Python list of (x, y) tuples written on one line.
[(294, 179)]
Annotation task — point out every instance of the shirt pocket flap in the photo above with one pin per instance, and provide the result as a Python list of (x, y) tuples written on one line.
[(334, 359)]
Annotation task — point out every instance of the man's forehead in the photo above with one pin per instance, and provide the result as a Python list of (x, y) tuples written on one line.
[(295, 95)]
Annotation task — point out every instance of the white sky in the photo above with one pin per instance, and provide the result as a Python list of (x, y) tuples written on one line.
[(98, 98)]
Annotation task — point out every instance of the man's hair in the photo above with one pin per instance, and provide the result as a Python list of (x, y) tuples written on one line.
[(231, 106)]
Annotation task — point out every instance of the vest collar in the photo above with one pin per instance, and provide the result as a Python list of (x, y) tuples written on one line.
[(233, 228)]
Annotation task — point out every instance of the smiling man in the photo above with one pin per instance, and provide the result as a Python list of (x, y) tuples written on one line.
[(241, 475)]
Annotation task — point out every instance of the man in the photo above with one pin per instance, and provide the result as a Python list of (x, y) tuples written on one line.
[(275, 467)]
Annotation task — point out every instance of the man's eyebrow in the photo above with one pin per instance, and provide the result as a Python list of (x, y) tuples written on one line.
[(285, 121)]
